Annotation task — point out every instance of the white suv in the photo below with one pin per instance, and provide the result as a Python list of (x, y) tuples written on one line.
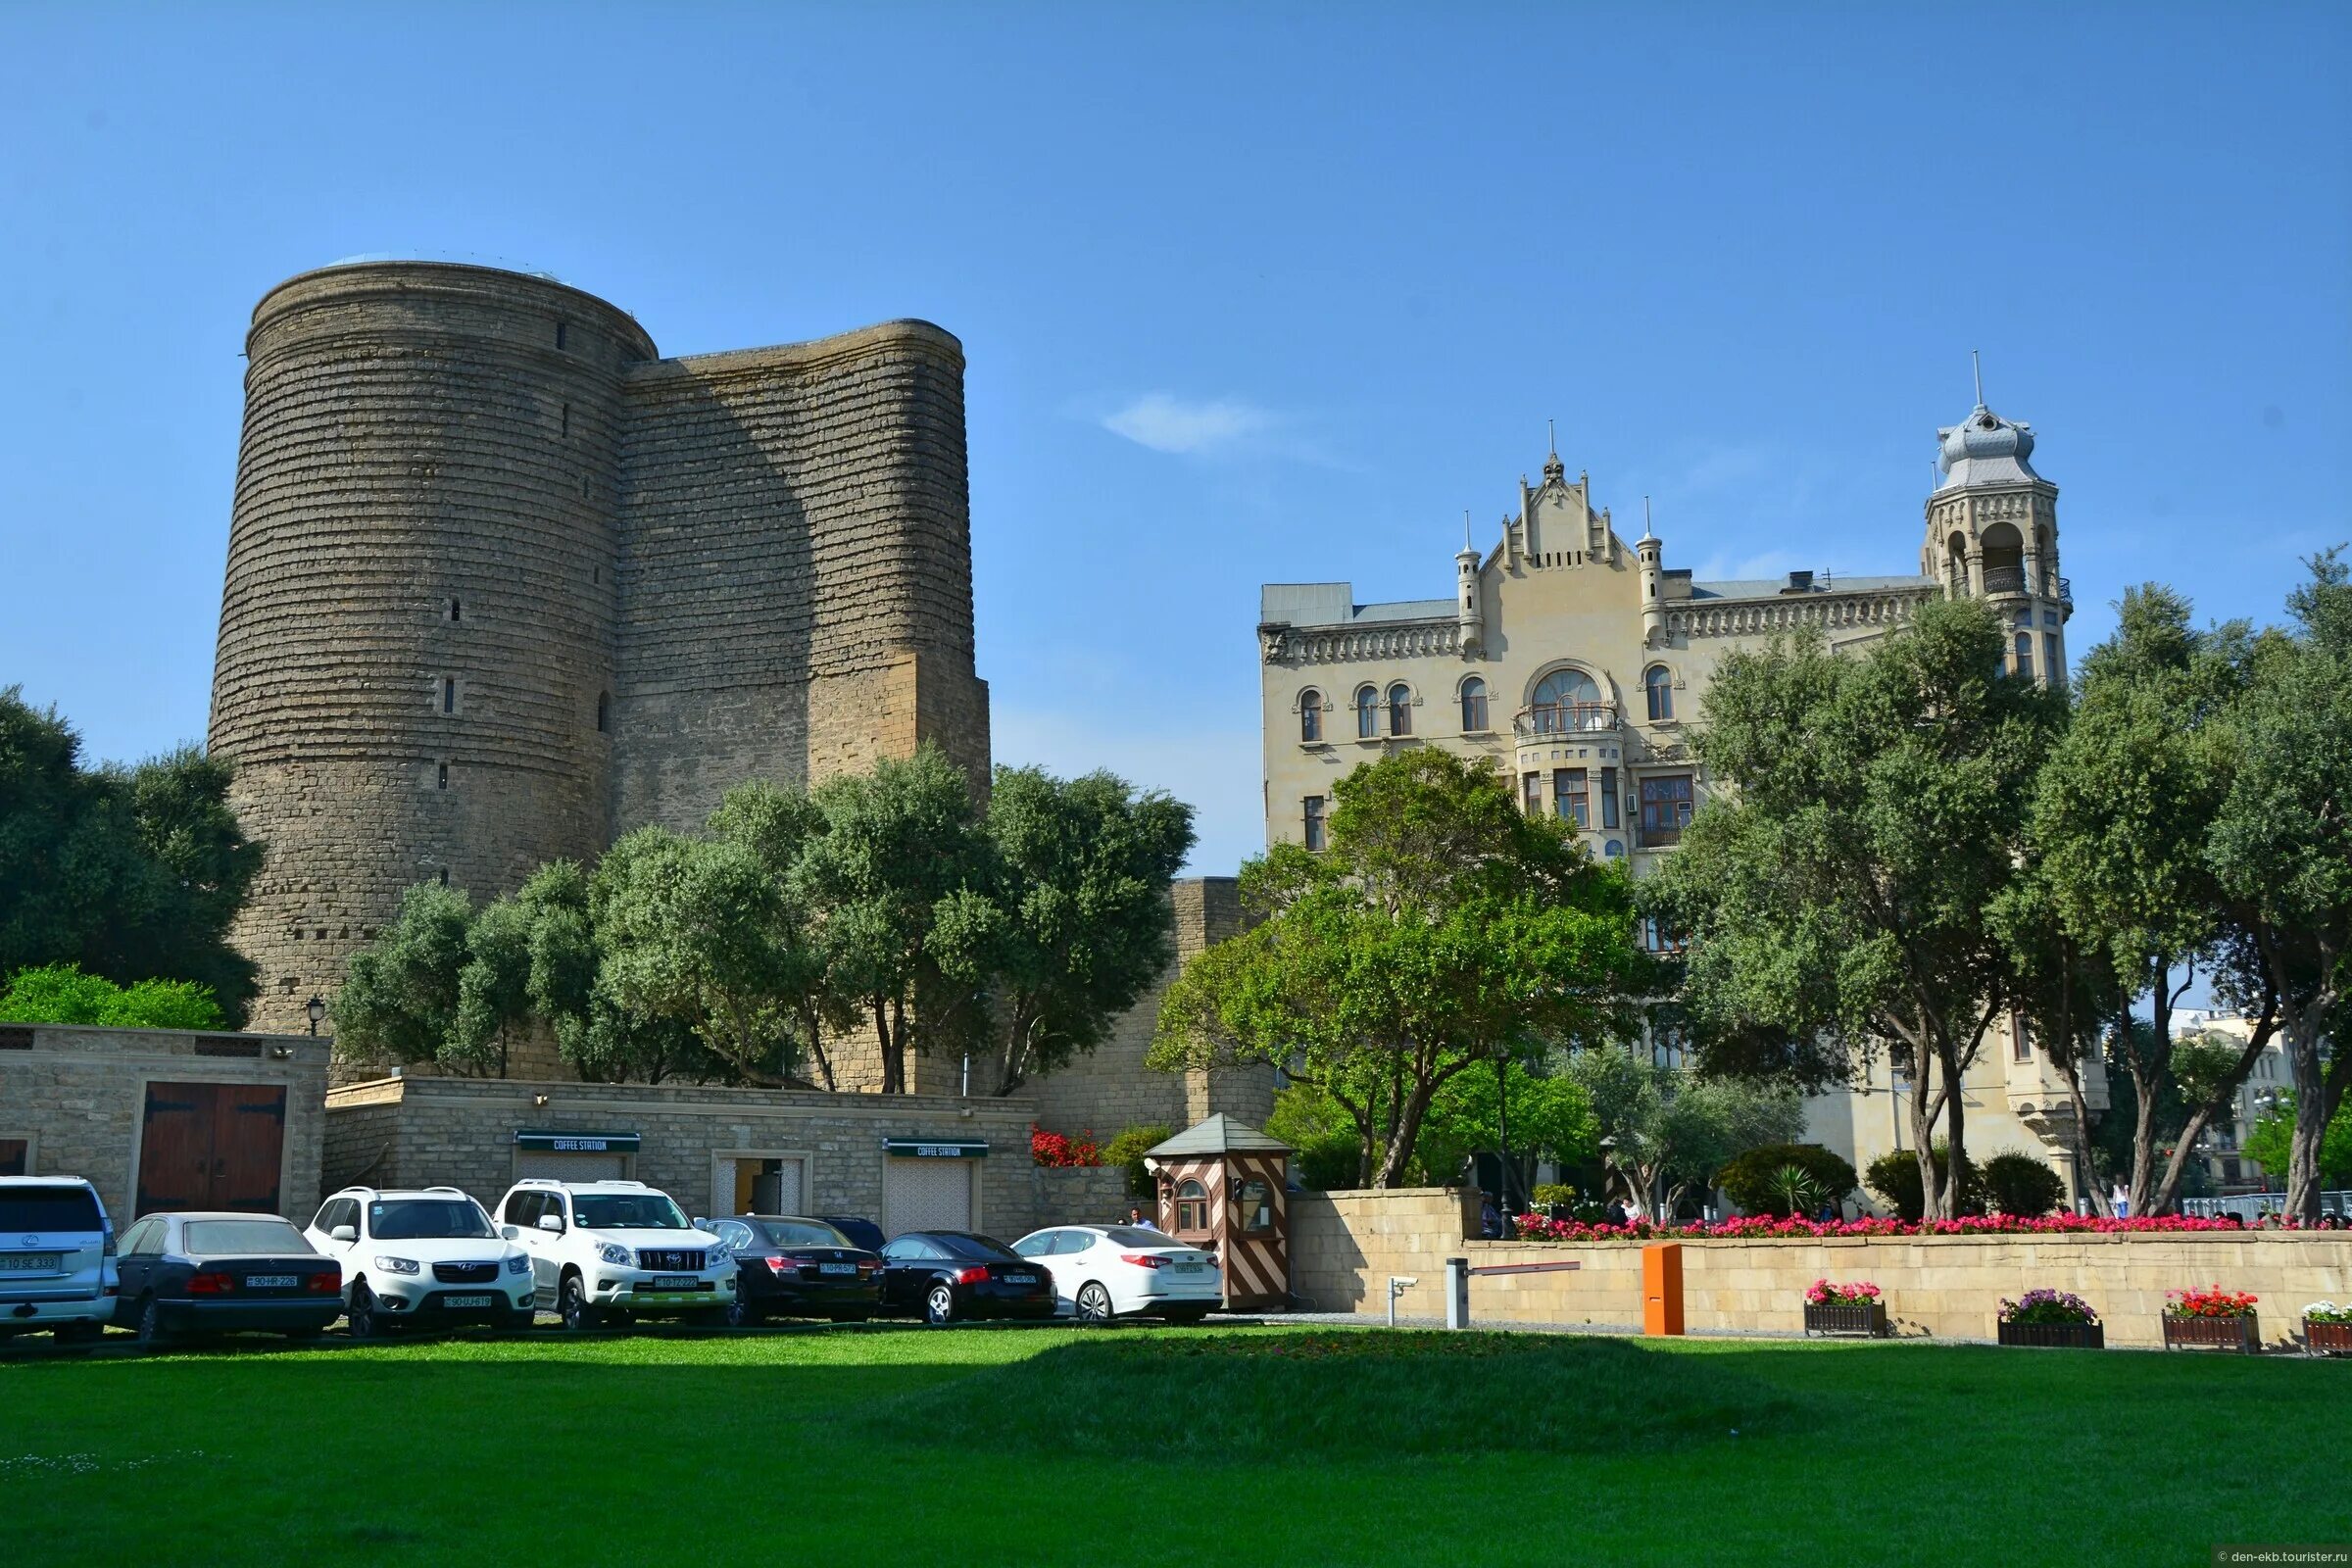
[(56, 1258), (611, 1250), (429, 1256)]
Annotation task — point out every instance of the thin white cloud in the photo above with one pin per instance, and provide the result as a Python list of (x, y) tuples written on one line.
[(1166, 423)]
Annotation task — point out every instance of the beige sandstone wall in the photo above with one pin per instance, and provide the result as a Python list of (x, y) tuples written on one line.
[(1345, 1244)]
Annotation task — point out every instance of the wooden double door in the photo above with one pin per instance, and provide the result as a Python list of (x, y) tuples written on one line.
[(212, 1147)]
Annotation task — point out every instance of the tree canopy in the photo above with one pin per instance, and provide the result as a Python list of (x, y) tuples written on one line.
[(132, 873), (1442, 927), (60, 992), (1841, 886)]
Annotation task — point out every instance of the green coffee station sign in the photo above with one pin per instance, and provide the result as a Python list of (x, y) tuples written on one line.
[(576, 1143), (936, 1148)]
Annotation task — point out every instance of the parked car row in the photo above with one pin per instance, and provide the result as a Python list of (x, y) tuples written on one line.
[(593, 1253)]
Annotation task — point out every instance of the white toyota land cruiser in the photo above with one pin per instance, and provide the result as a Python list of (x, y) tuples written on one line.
[(608, 1250)]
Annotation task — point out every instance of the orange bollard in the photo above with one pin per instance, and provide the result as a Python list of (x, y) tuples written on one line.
[(1662, 1287)]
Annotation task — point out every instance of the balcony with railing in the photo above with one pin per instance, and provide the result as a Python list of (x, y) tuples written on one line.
[(2016, 580), (1564, 718)]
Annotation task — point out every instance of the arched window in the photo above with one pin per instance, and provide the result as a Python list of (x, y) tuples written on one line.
[(1400, 710), (1659, 687), (1191, 1207), (1567, 699), (1367, 713), (2024, 656), (1474, 705), (1310, 715)]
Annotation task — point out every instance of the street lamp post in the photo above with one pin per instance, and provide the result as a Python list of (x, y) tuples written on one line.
[(316, 1009)]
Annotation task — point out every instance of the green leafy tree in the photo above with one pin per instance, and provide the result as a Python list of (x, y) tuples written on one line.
[(62, 994), (1067, 923), (398, 1000), (1546, 1116), (2271, 1144), (1665, 1134), (1443, 928), (1752, 1179), (2066, 993), (1129, 1148), (1326, 1151), (1843, 883), (899, 845), (2280, 849), (2122, 812), (132, 873)]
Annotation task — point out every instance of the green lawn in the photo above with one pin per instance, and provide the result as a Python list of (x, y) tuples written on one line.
[(1238, 1448)]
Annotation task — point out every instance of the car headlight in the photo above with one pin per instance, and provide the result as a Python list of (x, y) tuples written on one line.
[(398, 1265), (617, 1255), (519, 1264)]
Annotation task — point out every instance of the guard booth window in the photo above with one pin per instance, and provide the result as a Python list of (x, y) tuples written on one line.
[(1256, 1209), (1191, 1207)]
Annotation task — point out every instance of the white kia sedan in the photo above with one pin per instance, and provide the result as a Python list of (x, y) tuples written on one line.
[(1106, 1271)]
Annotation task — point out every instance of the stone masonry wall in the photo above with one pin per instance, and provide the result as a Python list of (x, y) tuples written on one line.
[(422, 1130), (1344, 1245), (80, 1095)]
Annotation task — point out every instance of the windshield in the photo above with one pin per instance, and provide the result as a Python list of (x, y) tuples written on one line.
[(1130, 1236), (625, 1212), (211, 1238), (407, 1219), (49, 1208), (979, 1247), (803, 1233)]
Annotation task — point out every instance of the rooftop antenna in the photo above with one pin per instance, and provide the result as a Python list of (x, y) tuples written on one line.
[(1551, 438), (1466, 545), (1976, 365)]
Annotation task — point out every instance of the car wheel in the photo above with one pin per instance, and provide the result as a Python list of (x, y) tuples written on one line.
[(573, 1306), (745, 1315), (360, 1320), (151, 1329), (1094, 1302), (938, 1307)]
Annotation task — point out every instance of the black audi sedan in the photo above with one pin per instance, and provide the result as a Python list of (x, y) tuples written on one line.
[(949, 1276), (792, 1267), (213, 1273)]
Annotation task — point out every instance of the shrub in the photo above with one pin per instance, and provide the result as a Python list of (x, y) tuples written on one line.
[(2017, 1184), (62, 994), (1754, 1180), (1549, 1195), (1063, 1151), (1894, 1177), (1129, 1148), (2216, 1303), (2047, 1306)]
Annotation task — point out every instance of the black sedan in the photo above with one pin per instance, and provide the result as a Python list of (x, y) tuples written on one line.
[(208, 1273), (946, 1276), (792, 1267)]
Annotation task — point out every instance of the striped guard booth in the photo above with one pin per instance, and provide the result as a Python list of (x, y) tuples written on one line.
[(1224, 1186)]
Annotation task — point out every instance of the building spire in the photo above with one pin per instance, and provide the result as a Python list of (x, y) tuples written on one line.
[(1976, 365), (1466, 545), (1646, 533)]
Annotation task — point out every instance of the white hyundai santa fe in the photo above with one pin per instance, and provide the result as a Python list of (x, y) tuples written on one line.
[(1106, 1271), (426, 1257), (616, 1248)]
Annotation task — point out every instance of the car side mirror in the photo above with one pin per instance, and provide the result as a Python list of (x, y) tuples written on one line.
[(700, 1223), (552, 1222), (344, 1233), (510, 1231)]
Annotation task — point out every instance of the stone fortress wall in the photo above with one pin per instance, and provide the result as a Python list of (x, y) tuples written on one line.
[(503, 584)]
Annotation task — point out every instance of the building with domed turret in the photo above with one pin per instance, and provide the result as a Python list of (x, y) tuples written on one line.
[(1573, 661)]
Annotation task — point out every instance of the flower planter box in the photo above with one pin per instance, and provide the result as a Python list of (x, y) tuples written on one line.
[(2238, 1334), (2327, 1339), (2055, 1336), (1869, 1321)]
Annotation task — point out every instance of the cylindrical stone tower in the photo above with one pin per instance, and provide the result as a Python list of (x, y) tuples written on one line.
[(418, 628)]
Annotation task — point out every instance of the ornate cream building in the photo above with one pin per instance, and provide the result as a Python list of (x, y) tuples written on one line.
[(1574, 660)]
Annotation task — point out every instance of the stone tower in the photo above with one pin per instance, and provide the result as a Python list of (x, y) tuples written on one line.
[(503, 584), (1992, 534)]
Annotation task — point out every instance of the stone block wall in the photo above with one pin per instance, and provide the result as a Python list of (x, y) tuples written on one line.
[(1344, 1245), (78, 1096), (422, 1131), (1078, 1195)]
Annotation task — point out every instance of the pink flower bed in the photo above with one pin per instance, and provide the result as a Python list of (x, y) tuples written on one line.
[(1535, 1227)]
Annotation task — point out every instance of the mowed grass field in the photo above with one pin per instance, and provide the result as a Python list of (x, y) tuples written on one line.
[(1214, 1447)]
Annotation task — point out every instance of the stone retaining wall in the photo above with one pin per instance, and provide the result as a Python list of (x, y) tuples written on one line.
[(1344, 1245)]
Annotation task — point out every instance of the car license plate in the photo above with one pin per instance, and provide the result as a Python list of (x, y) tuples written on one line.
[(470, 1300), (271, 1282), (30, 1263), (1018, 1278), (674, 1282), (837, 1268), (1189, 1268)]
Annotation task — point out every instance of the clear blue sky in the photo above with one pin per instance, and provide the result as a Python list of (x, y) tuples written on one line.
[(1244, 298)]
